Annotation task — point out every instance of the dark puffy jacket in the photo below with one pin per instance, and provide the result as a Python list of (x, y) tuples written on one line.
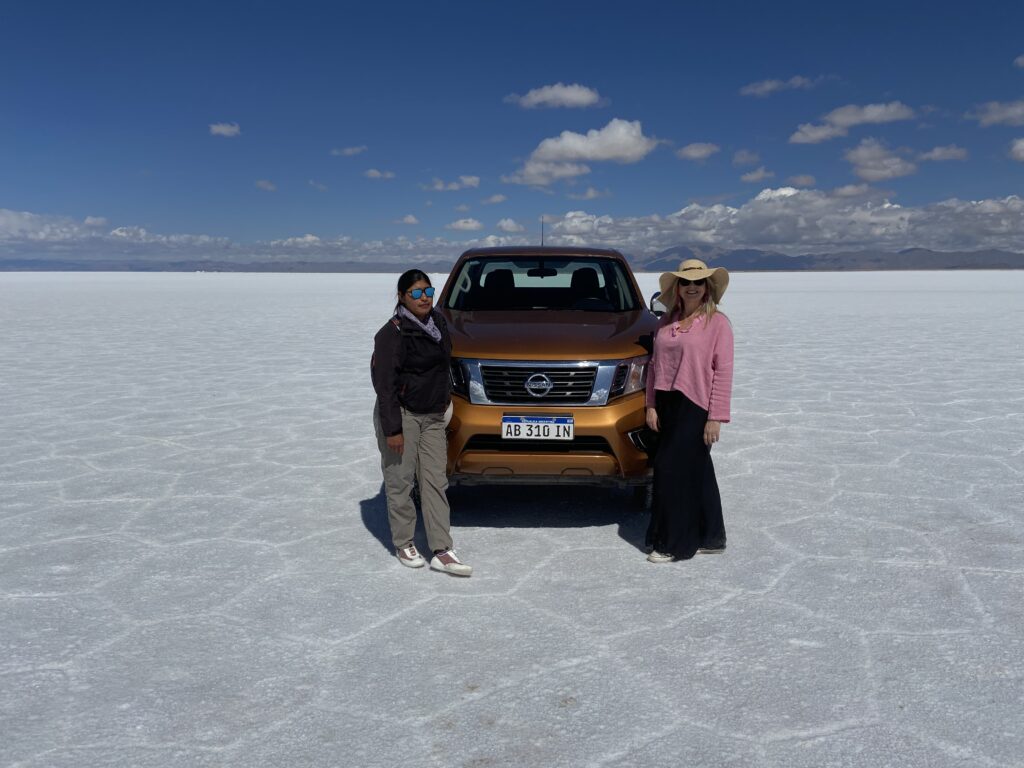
[(410, 370)]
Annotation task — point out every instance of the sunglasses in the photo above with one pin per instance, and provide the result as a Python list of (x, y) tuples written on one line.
[(417, 293), (684, 282)]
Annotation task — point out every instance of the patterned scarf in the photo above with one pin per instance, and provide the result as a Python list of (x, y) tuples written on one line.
[(430, 327)]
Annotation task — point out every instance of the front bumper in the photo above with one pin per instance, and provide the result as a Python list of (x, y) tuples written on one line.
[(604, 451)]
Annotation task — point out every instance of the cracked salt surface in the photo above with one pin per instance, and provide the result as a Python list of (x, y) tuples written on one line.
[(194, 567)]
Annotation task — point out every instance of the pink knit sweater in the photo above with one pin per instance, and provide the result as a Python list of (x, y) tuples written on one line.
[(696, 362)]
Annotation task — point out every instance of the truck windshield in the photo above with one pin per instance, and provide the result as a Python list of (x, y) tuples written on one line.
[(578, 283)]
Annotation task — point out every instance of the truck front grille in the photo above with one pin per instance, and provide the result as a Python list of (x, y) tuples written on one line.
[(508, 384)]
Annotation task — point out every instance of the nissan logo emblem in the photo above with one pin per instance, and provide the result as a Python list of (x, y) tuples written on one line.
[(539, 385)]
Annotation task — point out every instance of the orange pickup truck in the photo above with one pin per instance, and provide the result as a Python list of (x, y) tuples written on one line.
[(549, 361)]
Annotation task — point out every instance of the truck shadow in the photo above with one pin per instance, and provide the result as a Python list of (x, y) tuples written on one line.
[(559, 506), (524, 507)]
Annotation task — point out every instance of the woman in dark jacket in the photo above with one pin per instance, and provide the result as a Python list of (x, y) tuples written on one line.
[(411, 375)]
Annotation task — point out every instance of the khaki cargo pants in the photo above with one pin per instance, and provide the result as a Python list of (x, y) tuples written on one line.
[(425, 457)]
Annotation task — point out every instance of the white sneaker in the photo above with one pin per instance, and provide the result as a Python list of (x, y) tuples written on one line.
[(712, 550), (409, 557), (448, 563), (659, 557)]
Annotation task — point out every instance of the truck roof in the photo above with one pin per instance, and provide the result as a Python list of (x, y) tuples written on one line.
[(541, 250)]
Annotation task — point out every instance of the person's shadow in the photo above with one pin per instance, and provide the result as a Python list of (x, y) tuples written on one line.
[(514, 506), (375, 517)]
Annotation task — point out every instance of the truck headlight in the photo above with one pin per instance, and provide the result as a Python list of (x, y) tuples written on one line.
[(459, 380), (630, 376)]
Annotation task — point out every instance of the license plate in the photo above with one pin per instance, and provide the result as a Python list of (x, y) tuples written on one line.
[(537, 428)]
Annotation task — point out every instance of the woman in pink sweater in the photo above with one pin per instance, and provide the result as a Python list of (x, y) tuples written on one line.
[(689, 385)]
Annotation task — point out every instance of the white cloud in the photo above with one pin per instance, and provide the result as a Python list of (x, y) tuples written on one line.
[(557, 95), (373, 173), (317, 185), (1019, 61), (140, 236), (851, 190), (777, 193), (764, 88), (949, 152), (697, 151), (305, 241), (137, 234), (1017, 150), (510, 225), (808, 133), (745, 157), (803, 180), (803, 221), (589, 194), (409, 219), (759, 175), (788, 220), (462, 208), (464, 182), (999, 113), (465, 225), (536, 173), (494, 200), (869, 114), (839, 121), (31, 234), (349, 151), (620, 141), (32, 227), (265, 185), (564, 156), (873, 161), (227, 130)]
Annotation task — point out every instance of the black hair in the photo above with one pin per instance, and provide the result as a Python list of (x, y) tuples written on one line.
[(407, 278)]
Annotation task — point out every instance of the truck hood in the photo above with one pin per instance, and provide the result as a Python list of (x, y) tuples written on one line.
[(550, 334)]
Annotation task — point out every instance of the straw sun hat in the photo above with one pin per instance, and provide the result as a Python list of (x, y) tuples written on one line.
[(693, 269)]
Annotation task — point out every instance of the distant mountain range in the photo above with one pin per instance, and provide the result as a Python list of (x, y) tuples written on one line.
[(743, 259)]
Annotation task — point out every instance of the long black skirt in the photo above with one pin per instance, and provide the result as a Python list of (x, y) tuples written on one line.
[(687, 509)]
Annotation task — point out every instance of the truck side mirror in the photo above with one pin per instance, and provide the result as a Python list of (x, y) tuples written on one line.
[(656, 306)]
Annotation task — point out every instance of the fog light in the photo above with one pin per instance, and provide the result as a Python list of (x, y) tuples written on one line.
[(636, 437)]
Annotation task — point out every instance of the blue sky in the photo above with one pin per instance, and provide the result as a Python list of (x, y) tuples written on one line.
[(389, 130)]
